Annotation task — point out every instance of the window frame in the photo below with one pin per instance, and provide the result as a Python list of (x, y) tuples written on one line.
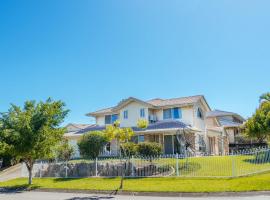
[(142, 112), (125, 114)]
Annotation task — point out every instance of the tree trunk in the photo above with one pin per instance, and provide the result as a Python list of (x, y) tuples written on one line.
[(29, 165), (30, 177), (122, 177)]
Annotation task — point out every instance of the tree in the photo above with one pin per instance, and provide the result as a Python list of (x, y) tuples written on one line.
[(258, 126), (92, 143), (265, 97), (142, 123), (121, 135), (64, 151), (32, 132)]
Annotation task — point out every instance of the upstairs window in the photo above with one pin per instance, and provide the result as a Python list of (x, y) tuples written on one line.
[(200, 113), (167, 113), (142, 113), (172, 113), (110, 119), (125, 114)]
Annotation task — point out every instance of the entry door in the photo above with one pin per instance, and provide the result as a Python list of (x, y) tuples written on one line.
[(168, 144)]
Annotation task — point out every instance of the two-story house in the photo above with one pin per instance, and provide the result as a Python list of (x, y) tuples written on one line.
[(187, 118)]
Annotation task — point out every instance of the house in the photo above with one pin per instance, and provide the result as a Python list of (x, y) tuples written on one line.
[(177, 124)]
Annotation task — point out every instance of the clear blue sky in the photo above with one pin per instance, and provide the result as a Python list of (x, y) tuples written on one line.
[(91, 54)]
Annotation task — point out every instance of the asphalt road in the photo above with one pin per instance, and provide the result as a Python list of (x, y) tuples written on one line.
[(73, 196)]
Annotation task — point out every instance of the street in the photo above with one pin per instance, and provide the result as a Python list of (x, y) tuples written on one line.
[(73, 196)]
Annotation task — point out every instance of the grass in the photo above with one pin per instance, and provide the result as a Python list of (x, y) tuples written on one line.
[(252, 183), (214, 166)]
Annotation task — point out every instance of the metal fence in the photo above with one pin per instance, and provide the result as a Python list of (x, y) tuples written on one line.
[(233, 165)]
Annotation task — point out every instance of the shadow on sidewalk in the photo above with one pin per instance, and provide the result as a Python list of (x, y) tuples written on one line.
[(91, 198)]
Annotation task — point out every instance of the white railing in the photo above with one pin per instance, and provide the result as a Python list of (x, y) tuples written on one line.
[(233, 165)]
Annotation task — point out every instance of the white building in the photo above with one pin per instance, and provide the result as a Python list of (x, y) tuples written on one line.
[(188, 120)]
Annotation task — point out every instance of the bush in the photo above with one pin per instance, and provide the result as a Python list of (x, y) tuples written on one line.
[(92, 143), (131, 149), (142, 123), (64, 151), (149, 149)]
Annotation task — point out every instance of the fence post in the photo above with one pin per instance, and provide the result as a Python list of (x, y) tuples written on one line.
[(234, 166), (177, 164), (66, 168), (96, 167), (132, 166)]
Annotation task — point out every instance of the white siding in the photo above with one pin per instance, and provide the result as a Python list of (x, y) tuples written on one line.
[(133, 114), (100, 120)]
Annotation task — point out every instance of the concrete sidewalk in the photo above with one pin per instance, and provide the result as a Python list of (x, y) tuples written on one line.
[(33, 195)]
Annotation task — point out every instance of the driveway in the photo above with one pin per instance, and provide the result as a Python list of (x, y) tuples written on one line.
[(11, 173), (73, 196)]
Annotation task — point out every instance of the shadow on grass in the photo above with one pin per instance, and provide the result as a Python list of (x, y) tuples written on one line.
[(91, 198), (80, 178), (17, 188)]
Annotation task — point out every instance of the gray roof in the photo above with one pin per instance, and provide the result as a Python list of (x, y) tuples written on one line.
[(220, 113), (229, 123), (164, 124), (155, 103)]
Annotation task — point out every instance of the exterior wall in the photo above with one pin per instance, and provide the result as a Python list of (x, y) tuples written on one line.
[(133, 114), (198, 122), (100, 120), (230, 133)]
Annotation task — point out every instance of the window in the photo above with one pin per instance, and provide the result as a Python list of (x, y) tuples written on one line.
[(142, 113), (114, 118), (172, 113), (109, 119), (141, 138), (125, 114), (199, 113), (167, 114)]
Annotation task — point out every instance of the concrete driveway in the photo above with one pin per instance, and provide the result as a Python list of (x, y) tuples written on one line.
[(73, 196), (11, 173)]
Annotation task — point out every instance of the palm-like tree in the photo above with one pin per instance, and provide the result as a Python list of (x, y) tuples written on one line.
[(265, 97)]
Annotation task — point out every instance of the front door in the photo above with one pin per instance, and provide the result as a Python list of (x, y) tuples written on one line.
[(168, 144)]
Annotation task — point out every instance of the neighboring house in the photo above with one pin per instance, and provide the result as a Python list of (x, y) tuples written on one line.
[(186, 121), (228, 125)]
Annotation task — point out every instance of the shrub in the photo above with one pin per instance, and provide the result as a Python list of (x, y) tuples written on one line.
[(142, 123), (149, 149), (92, 143), (129, 149), (64, 151)]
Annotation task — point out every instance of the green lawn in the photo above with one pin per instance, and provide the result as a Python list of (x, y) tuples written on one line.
[(252, 183)]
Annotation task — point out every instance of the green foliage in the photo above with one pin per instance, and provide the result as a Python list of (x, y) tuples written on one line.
[(265, 97), (142, 123), (258, 126), (92, 143), (64, 151), (129, 149), (32, 132), (149, 149), (120, 134)]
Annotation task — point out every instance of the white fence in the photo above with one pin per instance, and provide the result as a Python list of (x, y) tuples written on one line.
[(233, 165)]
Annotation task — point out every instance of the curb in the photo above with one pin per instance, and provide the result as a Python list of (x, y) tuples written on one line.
[(160, 194)]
